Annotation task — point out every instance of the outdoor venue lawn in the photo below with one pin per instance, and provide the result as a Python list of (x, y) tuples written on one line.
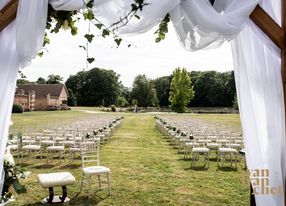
[(145, 169)]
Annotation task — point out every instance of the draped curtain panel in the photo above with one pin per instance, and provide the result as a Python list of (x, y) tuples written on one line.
[(19, 44), (198, 25), (257, 65)]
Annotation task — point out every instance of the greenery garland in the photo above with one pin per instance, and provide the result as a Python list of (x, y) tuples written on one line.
[(69, 19), (12, 174)]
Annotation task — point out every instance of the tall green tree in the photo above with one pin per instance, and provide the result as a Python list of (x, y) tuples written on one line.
[(72, 98), (213, 89), (181, 91), (23, 81), (41, 80), (95, 87), (162, 85), (54, 79), (144, 91)]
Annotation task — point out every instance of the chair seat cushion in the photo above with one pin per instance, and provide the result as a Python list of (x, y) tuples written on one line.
[(191, 144), (75, 149), (227, 150), (56, 148), (32, 147), (213, 145), (13, 147), (234, 145), (56, 179), (200, 150), (47, 142), (95, 170)]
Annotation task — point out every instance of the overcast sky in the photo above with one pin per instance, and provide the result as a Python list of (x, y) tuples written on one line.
[(64, 57)]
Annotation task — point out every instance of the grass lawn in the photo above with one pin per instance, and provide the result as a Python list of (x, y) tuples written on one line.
[(24, 121), (145, 171)]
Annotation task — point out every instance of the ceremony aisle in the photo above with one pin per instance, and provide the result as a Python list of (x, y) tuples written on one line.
[(145, 170)]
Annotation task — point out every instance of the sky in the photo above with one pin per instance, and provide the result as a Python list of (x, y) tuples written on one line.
[(64, 56)]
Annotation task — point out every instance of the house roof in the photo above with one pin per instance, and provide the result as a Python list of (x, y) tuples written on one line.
[(42, 90)]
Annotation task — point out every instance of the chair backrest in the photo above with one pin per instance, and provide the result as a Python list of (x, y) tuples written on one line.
[(90, 153)]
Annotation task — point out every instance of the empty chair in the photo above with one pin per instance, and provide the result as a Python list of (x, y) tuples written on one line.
[(56, 148), (91, 167), (200, 151), (34, 146)]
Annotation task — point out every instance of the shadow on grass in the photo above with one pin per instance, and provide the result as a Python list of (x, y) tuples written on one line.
[(78, 200), (23, 164), (227, 169), (188, 159), (213, 159), (44, 166), (70, 166), (197, 168)]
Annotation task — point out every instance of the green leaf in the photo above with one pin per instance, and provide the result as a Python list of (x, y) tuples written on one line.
[(118, 41), (157, 40), (90, 60), (40, 54), (83, 47), (162, 36), (74, 31), (88, 15), (89, 37), (99, 26), (105, 33), (136, 16)]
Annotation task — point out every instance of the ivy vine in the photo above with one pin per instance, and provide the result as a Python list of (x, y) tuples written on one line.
[(58, 20)]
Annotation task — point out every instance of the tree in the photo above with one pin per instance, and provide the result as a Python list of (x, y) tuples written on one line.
[(122, 102), (23, 81), (162, 85), (181, 91), (41, 80), (213, 89), (95, 87), (72, 98), (144, 91), (54, 79)]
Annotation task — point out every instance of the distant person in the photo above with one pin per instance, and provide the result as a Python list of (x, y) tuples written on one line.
[(135, 109)]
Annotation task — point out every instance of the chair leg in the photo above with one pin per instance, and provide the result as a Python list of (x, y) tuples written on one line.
[(99, 182), (108, 184), (81, 185), (89, 186)]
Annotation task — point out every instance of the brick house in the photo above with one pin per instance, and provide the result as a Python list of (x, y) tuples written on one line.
[(41, 96)]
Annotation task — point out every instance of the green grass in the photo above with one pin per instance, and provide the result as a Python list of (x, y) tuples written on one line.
[(26, 120), (145, 171)]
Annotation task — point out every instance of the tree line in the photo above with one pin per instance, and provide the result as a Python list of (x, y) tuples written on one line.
[(102, 87)]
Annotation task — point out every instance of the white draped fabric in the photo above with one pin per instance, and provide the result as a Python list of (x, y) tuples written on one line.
[(199, 26), (260, 93), (19, 43)]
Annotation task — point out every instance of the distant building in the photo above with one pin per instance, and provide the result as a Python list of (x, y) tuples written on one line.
[(41, 96)]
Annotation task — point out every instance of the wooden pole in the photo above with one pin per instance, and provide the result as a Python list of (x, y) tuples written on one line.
[(283, 64), (265, 22), (8, 13)]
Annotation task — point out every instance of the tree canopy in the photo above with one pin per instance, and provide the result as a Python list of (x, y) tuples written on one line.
[(181, 91), (95, 87), (144, 91), (54, 79)]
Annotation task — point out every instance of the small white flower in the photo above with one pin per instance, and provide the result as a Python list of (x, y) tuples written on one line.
[(8, 156), (65, 26)]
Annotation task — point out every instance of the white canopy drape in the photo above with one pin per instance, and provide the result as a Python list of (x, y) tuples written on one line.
[(257, 65), (198, 26)]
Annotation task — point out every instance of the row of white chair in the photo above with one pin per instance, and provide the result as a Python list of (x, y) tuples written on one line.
[(199, 140)]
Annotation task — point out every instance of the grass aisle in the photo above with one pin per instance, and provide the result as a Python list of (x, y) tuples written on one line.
[(145, 170)]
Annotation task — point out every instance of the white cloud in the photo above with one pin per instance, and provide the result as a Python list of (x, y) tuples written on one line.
[(150, 58)]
